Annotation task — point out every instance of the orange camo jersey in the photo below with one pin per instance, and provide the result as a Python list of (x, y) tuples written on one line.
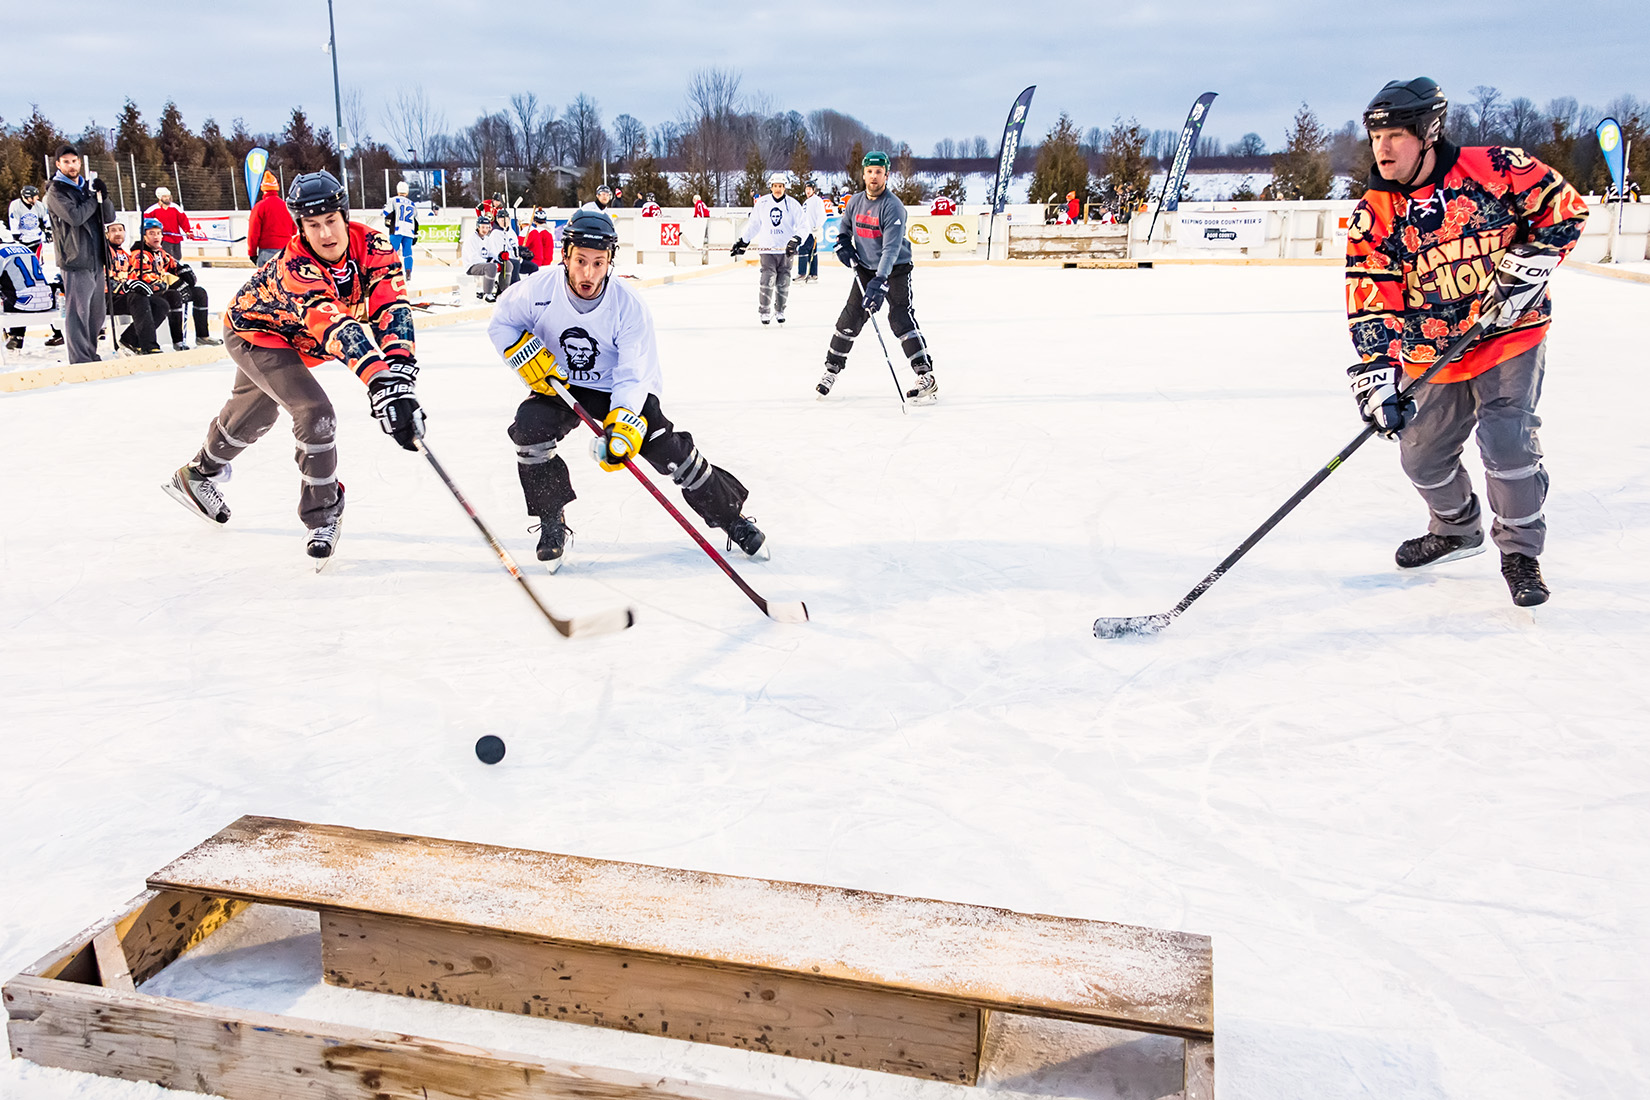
[(154, 268), (355, 312), (1416, 263), (120, 270)]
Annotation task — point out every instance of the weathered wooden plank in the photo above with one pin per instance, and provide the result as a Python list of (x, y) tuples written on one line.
[(1060, 967), (256, 1056), (1200, 1070), (112, 969), (679, 999), (168, 923)]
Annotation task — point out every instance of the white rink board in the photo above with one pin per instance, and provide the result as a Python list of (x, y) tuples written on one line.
[(1410, 815)]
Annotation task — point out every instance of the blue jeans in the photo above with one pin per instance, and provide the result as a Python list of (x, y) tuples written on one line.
[(807, 258), (404, 244)]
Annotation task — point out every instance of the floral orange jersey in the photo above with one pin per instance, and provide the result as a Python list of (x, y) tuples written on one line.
[(355, 311), (121, 275), (154, 268), (1416, 263)]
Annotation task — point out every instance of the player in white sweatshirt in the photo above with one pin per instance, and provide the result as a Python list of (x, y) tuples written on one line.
[(776, 227)]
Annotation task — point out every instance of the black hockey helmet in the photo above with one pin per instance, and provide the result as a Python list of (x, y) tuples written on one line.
[(31, 192), (590, 229), (1417, 105), (315, 193)]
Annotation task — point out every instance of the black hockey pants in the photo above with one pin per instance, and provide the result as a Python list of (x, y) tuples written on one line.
[(147, 312), (902, 319), (542, 422), (175, 299)]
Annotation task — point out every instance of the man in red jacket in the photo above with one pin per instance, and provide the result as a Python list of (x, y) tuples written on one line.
[(540, 240), (1444, 238), (270, 226), (174, 223)]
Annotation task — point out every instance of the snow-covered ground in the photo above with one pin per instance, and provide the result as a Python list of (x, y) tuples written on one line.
[(1411, 816)]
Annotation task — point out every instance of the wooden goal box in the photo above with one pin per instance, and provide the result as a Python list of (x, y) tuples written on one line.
[(876, 981)]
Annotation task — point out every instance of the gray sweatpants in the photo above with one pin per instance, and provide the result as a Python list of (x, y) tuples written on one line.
[(268, 380), (84, 309), (1501, 404), (774, 283)]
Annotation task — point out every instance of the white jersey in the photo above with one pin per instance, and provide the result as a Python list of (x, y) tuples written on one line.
[(28, 222), (403, 216), (605, 345), (484, 250), (773, 222), (814, 214), (26, 288)]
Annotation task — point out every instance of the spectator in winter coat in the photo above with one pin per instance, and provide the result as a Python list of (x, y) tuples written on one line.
[(1074, 209), (174, 223), (540, 240), (79, 211), (270, 227)]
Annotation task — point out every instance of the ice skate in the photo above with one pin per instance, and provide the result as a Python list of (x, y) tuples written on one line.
[(926, 391), (1432, 549), (323, 541), (1523, 576), (553, 538), (744, 534), (826, 381), (199, 493)]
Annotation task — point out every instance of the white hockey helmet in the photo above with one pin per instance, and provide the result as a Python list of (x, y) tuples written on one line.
[(776, 177)]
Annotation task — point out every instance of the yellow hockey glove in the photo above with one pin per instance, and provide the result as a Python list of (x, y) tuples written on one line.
[(533, 361), (621, 439)]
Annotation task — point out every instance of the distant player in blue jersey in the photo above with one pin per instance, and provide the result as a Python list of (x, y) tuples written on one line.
[(401, 219)]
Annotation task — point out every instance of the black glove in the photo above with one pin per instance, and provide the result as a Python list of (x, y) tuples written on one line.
[(875, 291), (393, 403), (187, 274), (100, 189), (1517, 284), (845, 251), (792, 245), (738, 248), (1375, 388)]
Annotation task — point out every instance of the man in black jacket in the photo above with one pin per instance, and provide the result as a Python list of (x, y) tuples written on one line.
[(79, 212)]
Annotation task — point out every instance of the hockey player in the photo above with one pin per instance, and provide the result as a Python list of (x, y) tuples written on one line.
[(541, 239), (173, 221), (576, 323), (700, 210), (335, 292), (776, 228), (943, 207), (603, 199), (1422, 254), (651, 207), (24, 288), (30, 227), (487, 255), (173, 282), (132, 295), (872, 244), (813, 217), (401, 219)]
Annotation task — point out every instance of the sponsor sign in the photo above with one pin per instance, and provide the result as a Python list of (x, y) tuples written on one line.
[(1229, 229), (1010, 146), (1609, 143), (928, 233), (438, 232), (827, 239), (656, 233), (210, 230)]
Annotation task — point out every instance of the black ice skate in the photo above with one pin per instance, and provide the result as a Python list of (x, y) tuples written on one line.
[(744, 533), (323, 541), (1523, 577), (56, 340), (1432, 549), (827, 380), (14, 343), (199, 493), (926, 391), (553, 534)]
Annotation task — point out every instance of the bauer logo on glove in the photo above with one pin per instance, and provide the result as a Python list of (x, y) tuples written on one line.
[(622, 436), (533, 361)]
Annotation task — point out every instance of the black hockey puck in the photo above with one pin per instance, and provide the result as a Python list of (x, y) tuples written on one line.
[(490, 749)]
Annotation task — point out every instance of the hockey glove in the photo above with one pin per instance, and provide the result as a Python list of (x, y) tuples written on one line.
[(393, 403), (875, 291), (186, 274), (792, 245), (99, 188), (845, 251), (1375, 388), (738, 248), (1517, 284), (622, 436), (533, 361)]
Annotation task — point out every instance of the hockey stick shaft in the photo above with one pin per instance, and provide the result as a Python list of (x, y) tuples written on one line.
[(564, 627), (629, 463), (1157, 622), (886, 358)]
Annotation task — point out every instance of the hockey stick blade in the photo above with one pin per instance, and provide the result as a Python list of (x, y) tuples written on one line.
[(1131, 625), (601, 622), (795, 612)]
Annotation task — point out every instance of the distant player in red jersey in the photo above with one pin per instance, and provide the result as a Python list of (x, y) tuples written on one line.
[(943, 207)]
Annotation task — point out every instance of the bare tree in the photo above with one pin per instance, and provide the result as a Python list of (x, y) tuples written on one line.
[(532, 140), (586, 139), (414, 122), (355, 116), (629, 137), (982, 147), (1484, 114), (710, 129), (1523, 122)]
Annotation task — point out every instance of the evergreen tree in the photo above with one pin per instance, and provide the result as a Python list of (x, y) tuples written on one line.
[(302, 148), (646, 179), (802, 164), (908, 188), (133, 141), (173, 139), (1128, 173), (755, 180), (1061, 165), (954, 188), (856, 171), (1302, 170), (38, 140)]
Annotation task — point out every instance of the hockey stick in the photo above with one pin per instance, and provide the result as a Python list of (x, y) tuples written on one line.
[(779, 612), (885, 356), (603, 622), (1151, 624)]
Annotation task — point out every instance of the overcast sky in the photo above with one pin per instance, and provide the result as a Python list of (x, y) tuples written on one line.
[(918, 72)]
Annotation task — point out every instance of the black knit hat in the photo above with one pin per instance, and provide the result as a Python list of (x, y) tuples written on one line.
[(66, 150)]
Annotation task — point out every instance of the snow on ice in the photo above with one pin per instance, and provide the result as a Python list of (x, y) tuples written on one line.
[(1411, 816)]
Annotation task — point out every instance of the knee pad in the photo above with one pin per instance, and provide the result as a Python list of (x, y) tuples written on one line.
[(535, 454), (692, 472)]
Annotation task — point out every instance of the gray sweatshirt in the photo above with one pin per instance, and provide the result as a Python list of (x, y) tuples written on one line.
[(875, 230)]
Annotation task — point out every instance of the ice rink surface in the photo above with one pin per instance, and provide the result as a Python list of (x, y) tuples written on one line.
[(1411, 816)]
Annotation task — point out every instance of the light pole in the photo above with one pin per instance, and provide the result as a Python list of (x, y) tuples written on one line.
[(412, 154), (337, 100)]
